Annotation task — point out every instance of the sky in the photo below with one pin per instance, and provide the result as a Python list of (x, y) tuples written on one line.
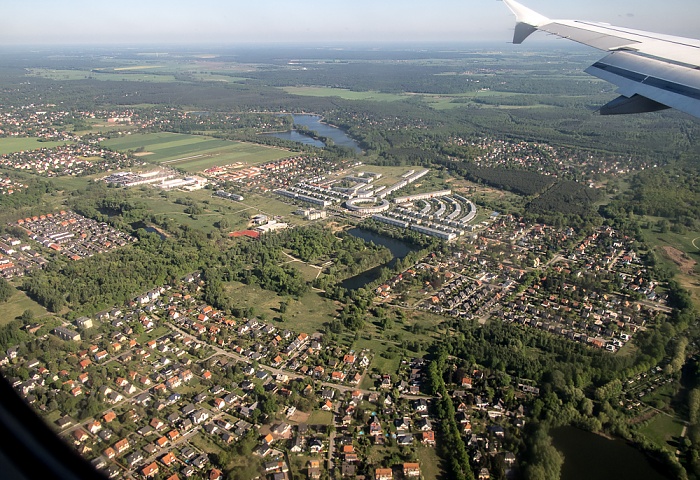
[(232, 22)]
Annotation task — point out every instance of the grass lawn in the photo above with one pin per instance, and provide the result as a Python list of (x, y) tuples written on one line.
[(157, 332), (11, 145), (17, 304), (430, 463), (203, 442), (320, 417), (308, 272), (661, 430)]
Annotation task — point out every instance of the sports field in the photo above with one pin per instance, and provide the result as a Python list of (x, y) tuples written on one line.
[(195, 153)]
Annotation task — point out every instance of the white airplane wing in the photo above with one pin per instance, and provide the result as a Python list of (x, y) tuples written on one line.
[(653, 71)]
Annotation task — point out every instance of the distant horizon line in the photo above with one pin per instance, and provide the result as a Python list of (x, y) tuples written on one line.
[(367, 45)]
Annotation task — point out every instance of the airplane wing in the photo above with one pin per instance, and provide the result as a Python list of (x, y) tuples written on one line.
[(653, 71)]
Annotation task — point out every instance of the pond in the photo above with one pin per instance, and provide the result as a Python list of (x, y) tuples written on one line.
[(398, 248), (587, 455), (149, 229), (314, 123)]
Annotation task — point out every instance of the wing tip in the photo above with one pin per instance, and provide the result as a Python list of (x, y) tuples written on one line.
[(526, 15)]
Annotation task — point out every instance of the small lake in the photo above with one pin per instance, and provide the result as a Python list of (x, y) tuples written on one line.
[(587, 455), (398, 248), (149, 229), (313, 122)]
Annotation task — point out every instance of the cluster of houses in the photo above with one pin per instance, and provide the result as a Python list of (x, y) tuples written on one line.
[(541, 157), (17, 257), (35, 121), (74, 159), (157, 393), (73, 235), (271, 175), (264, 343), (486, 281), (8, 186)]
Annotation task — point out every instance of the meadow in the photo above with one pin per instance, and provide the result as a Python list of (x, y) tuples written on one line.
[(91, 75), (195, 153), (307, 314), (344, 94), (20, 144)]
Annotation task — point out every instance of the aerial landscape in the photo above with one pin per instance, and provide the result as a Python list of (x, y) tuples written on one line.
[(329, 260)]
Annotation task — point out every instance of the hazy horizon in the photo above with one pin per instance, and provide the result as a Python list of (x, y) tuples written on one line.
[(79, 22)]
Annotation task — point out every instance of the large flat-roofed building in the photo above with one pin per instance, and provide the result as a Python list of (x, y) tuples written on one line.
[(66, 334), (433, 232), (423, 196)]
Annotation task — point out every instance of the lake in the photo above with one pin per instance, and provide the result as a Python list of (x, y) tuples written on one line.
[(313, 122), (398, 248), (587, 455), (149, 229)]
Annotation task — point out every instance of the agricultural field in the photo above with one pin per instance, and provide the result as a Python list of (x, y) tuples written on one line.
[(92, 75), (194, 153), (344, 94), (12, 145)]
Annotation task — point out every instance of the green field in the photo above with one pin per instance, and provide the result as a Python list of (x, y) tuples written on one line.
[(344, 94), (320, 417), (16, 305), (689, 244), (439, 102), (661, 430), (195, 153), (308, 314), (89, 74), (11, 145)]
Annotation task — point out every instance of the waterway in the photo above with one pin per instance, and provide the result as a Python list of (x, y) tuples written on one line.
[(398, 248), (314, 123), (587, 455)]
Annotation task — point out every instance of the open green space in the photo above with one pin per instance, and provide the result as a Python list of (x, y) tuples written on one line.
[(213, 77), (662, 430), (320, 417), (686, 267), (92, 75), (195, 153), (16, 306), (19, 144), (307, 271), (344, 94), (429, 463), (307, 314)]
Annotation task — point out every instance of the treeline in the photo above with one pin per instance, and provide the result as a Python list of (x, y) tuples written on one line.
[(452, 448)]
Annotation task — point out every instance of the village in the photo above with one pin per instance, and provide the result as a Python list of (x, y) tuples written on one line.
[(505, 276), (161, 386)]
